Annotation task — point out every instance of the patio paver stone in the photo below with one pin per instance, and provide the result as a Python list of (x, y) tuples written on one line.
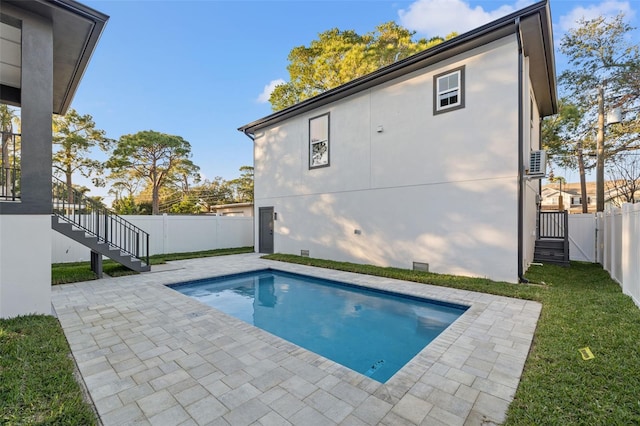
[(151, 356)]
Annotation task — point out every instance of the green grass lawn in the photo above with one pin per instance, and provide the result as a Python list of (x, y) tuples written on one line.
[(63, 273), (581, 307), (37, 386)]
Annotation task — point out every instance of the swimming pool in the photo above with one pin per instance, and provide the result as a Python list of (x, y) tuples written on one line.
[(370, 331)]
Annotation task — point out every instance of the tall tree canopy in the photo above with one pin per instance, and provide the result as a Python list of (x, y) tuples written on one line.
[(338, 57), (601, 56), (243, 186), (603, 77), (158, 158), (75, 135)]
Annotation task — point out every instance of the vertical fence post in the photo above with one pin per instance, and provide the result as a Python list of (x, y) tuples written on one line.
[(566, 235)]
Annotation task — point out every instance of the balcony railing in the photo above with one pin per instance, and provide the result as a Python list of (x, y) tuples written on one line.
[(10, 167)]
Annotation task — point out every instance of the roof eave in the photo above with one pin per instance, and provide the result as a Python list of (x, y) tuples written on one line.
[(76, 31), (464, 42)]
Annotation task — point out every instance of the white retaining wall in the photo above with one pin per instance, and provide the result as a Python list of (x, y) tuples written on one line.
[(170, 234), (25, 271)]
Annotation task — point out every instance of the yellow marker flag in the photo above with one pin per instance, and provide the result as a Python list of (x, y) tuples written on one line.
[(586, 353)]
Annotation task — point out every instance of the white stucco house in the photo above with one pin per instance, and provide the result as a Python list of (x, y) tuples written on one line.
[(45, 47), (425, 160)]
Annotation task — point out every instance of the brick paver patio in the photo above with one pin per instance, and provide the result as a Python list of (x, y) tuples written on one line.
[(149, 355)]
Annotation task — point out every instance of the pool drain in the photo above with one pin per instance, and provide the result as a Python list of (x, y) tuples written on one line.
[(374, 367)]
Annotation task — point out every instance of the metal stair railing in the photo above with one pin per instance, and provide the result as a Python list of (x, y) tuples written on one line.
[(97, 220), (10, 166), (553, 225)]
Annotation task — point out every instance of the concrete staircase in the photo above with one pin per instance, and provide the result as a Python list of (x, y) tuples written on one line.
[(97, 246), (95, 226), (554, 251)]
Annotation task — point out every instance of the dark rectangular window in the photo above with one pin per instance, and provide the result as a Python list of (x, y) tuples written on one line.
[(448, 93), (319, 141)]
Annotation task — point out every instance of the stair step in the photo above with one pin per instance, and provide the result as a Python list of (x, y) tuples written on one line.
[(551, 251), (547, 243)]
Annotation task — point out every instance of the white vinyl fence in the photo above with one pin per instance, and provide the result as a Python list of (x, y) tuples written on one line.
[(620, 244), (170, 234), (582, 237), (612, 239)]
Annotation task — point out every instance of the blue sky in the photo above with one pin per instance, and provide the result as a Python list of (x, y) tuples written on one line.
[(202, 68)]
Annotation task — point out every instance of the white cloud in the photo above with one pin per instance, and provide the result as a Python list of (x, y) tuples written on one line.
[(441, 17), (263, 98), (608, 8)]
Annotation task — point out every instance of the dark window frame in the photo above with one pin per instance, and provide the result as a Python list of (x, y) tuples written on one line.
[(437, 109), (327, 141)]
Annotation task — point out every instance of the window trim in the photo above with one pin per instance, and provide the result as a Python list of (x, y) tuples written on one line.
[(437, 109), (328, 142)]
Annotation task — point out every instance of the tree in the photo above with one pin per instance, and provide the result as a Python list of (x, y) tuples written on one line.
[(565, 142), (156, 157), (76, 135), (187, 205), (560, 180), (338, 57), (243, 186), (624, 179), (603, 76), (124, 184), (127, 205), (212, 192)]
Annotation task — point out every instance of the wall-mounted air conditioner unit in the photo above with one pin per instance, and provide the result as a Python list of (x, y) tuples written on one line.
[(537, 164)]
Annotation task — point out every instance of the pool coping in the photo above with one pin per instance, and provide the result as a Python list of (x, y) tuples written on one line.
[(149, 355)]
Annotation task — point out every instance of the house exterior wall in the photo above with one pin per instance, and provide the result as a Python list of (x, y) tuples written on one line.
[(440, 189), (25, 265), (531, 142), (35, 114), (25, 226)]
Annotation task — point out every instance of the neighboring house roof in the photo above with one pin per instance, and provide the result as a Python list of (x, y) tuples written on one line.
[(224, 206), (76, 30), (533, 23), (573, 187), (611, 192)]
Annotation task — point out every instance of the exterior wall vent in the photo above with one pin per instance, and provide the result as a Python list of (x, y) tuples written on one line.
[(537, 164), (304, 253), (421, 266)]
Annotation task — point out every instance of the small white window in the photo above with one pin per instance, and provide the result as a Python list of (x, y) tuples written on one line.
[(319, 141), (448, 92)]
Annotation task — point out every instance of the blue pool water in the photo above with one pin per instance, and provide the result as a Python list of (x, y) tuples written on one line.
[(372, 332)]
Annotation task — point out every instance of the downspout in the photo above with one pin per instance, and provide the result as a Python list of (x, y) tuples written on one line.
[(521, 278), (249, 135)]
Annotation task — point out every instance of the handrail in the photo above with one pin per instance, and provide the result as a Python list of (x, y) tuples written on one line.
[(99, 221), (10, 166), (553, 225)]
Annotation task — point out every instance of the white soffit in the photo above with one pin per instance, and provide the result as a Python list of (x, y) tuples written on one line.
[(10, 56)]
